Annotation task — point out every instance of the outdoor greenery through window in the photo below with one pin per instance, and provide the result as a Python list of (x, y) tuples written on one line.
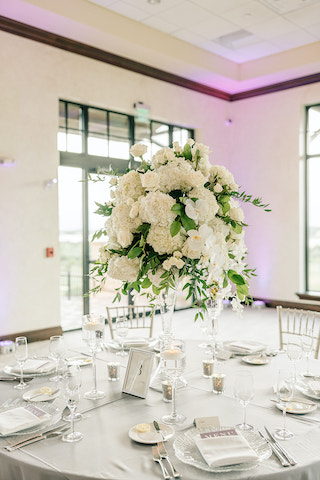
[(89, 140), (313, 199)]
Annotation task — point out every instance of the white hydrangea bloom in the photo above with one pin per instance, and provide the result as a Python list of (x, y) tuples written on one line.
[(219, 174), (179, 175), (129, 186), (155, 208), (161, 240), (123, 268), (149, 180), (235, 212)]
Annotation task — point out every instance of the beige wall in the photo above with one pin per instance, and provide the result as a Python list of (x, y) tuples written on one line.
[(260, 146)]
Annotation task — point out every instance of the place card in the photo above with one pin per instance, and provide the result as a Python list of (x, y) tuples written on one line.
[(206, 422), (219, 433)]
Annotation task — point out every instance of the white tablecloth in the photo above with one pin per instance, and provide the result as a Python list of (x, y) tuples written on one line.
[(106, 451)]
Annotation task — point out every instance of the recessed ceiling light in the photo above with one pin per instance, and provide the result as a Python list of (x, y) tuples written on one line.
[(153, 2)]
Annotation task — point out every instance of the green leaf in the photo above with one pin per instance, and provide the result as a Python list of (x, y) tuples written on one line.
[(237, 228), (178, 208), (146, 283), (175, 228), (225, 208), (156, 290), (242, 290), (187, 152), (187, 223), (135, 252), (225, 282), (236, 278)]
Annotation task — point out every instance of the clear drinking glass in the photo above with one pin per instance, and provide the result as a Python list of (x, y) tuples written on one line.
[(284, 394), (243, 390), (71, 386), (56, 350), (294, 353), (21, 355), (93, 326), (307, 346), (173, 357), (122, 329)]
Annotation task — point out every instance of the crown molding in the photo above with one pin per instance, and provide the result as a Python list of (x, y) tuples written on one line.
[(42, 36)]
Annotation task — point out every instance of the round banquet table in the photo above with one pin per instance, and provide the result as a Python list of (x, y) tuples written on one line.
[(107, 452)]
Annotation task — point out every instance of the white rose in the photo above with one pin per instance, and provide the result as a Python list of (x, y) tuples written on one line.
[(217, 188), (134, 210), (113, 181), (125, 237), (190, 142), (138, 149)]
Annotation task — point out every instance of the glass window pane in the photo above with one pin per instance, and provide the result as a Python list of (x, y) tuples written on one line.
[(180, 135), (159, 135), (97, 146), (118, 125), (97, 121), (313, 136), (119, 149), (74, 117), (62, 140), (74, 142), (141, 132), (313, 224), (70, 239), (62, 114)]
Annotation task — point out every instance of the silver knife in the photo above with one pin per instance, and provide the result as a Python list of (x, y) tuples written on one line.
[(38, 435), (284, 462), (43, 436), (281, 448)]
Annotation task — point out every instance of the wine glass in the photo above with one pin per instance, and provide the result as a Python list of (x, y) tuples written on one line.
[(243, 390), (173, 358), (294, 353), (307, 347), (21, 355), (56, 350), (71, 386), (93, 334), (122, 329), (284, 394)]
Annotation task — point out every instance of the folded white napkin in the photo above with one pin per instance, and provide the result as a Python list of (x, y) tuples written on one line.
[(33, 365), (21, 418), (224, 447), (136, 342), (246, 346)]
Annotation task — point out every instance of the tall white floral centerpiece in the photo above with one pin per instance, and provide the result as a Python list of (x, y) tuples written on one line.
[(177, 217)]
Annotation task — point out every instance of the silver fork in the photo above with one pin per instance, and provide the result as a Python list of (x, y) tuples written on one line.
[(164, 455), (157, 458)]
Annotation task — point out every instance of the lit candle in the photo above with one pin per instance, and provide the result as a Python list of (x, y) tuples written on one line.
[(167, 391), (172, 354), (218, 380), (92, 326), (207, 367), (113, 371)]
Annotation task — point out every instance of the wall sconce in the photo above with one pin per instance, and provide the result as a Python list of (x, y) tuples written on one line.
[(7, 161), (49, 183)]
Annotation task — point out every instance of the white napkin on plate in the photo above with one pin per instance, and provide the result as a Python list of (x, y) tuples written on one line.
[(224, 447), (21, 418), (136, 342), (33, 365), (246, 346), (315, 386)]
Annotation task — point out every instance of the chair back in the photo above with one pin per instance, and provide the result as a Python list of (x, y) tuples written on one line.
[(295, 322), (139, 316)]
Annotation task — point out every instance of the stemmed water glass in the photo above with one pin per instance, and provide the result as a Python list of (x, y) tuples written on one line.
[(243, 390), (214, 306), (173, 357), (307, 346), (56, 350), (122, 329), (71, 385), (21, 355), (294, 353), (93, 333), (284, 394)]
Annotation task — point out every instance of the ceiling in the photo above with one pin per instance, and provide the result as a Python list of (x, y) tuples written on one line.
[(239, 30), (229, 45)]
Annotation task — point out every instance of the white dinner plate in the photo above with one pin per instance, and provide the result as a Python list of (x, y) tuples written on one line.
[(256, 359), (299, 406), (11, 370), (131, 343), (187, 451), (27, 396), (244, 347), (81, 361), (152, 436)]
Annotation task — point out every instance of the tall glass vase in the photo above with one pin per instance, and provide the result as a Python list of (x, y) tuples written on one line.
[(166, 302), (214, 307)]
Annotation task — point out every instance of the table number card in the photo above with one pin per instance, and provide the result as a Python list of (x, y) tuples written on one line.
[(138, 372)]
